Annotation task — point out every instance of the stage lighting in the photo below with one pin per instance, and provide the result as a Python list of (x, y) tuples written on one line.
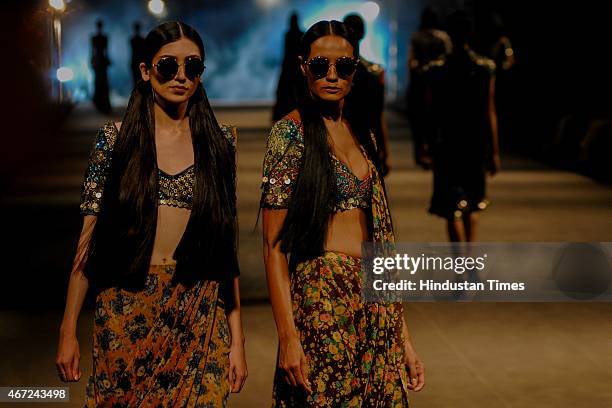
[(369, 11), (267, 4), (156, 7), (58, 5), (64, 74)]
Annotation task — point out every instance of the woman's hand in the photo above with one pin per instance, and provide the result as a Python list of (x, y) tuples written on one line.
[(424, 158), (292, 361), (238, 367), (68, 357), (416, 369)]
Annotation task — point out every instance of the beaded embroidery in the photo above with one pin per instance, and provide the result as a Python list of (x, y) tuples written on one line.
[(282, 164), (97, 169), (174, 190), (351, 191)]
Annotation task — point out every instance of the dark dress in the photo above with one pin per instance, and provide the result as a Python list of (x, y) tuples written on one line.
[(461, 133), (137, 43), (369, 91), (289, 83), (428, 49), (100, 63)]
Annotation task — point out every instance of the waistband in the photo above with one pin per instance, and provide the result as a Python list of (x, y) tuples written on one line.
[(347, 257), (356, 258), (168, 268)]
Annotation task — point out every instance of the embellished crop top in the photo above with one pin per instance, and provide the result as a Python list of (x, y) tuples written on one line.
[(174, 190), (282, 164)]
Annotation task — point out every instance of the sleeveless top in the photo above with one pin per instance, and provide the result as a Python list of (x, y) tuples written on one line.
[(282, 164), (174, 190)]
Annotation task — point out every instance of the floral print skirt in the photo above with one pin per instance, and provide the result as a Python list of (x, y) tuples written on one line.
[(164, 346), (354, 349)]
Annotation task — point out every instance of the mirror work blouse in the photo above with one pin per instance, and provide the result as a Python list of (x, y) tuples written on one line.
[(174, 190), (282, 164)]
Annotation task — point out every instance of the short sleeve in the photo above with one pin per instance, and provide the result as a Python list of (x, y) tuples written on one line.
[(487, 64), (97, 169), (281, 165)]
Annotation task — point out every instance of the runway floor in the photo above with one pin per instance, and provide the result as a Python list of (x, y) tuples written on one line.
[(506, 355)]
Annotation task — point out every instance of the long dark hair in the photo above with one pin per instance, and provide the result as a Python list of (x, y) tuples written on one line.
[(305, 226), (121, 245)]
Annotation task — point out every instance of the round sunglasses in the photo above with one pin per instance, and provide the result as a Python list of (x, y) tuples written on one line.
[(319, 66), (167, 67)]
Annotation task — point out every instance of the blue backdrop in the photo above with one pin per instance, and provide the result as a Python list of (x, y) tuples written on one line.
[(243, 40)]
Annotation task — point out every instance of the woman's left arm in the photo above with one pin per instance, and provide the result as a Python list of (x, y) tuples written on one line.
[(237, 359), (416, 369), (495, 162)]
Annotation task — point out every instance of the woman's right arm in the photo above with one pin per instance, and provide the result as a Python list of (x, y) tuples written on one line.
[(68, 356), (495, 162), (67, 359), (291, 355)]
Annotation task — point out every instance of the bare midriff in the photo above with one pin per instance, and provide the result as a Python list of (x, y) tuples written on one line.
[(171, 224), (347, 230)]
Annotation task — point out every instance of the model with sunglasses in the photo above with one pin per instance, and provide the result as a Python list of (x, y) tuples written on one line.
[(159, 244), (322, 196)]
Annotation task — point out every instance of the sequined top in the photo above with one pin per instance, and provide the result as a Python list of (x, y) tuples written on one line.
[(174, 190), (282, 164)]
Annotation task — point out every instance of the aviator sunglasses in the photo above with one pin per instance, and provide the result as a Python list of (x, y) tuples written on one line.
[(167, 67), (319, 66)]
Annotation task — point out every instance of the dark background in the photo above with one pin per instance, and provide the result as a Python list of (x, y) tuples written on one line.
[(559, 94)]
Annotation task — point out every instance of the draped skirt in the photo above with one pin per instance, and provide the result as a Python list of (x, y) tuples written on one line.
[(164, 346), (354, 349)]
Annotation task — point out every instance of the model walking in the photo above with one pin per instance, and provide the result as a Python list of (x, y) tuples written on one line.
[(464, 141), (323, 195), (159, 244)]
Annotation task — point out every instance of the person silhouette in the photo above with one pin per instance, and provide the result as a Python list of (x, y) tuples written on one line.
[(429, 47), (100, 63), (499, 44), (369, 90), (464, 122), (288, 88), (137, 43), (429, 44)]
